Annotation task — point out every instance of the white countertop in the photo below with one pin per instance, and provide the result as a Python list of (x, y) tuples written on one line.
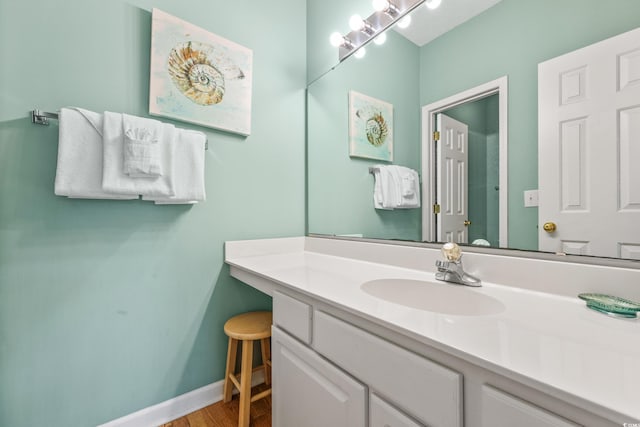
[(550, 339)]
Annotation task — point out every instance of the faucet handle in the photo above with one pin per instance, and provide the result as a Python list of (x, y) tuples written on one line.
[(451, 251), (442, 265)]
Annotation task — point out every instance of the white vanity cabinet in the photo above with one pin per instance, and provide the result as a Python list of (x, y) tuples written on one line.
[(308, 387), (500, 409), (344, 357), (328, 372), (426, 390), (382, 414), (309, 391)]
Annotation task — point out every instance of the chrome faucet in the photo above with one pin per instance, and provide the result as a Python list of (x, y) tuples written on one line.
[(451, 270)]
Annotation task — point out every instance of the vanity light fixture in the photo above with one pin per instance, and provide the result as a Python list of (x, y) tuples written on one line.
[(336, 39), (386, 7), (387, 13), (360, 53), (356, 23), (433, 4), (404, 22), (380, 39)]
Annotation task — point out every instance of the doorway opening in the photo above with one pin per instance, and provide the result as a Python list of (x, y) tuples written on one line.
[(432, 219)]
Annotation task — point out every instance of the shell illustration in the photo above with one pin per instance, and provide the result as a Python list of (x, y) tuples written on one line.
[(376, 127), (199, 71)]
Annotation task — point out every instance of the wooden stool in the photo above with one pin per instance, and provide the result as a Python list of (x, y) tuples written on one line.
[(247, 327)]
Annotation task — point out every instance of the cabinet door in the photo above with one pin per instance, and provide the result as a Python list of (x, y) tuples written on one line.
[(382, 414), (427, 391), (309, 391), (502, 410)]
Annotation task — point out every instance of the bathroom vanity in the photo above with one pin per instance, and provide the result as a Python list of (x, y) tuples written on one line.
[(364, 335)]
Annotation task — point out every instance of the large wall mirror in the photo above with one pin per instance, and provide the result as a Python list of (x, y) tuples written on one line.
[(497, 41)]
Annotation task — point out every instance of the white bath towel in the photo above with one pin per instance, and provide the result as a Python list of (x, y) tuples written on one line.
[(381, 189), (396, 187), (409, 187), (141, 151), (79, 169), (188, 169), (113, 177)]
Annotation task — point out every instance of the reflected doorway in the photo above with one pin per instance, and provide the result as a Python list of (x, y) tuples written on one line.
[(467, 163), (482, 210)]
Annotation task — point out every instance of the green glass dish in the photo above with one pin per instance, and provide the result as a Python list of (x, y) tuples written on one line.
[(611, 305)]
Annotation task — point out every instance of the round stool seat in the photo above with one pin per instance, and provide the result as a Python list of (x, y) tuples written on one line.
[(255, 325)]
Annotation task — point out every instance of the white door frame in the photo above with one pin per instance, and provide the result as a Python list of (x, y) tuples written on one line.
[(499, 86)]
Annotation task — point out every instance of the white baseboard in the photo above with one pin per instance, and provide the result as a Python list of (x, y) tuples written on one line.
[(177, 407)]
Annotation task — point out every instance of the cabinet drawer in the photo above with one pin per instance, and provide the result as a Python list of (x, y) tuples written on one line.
[(381, 414), (503, 410), (293, 316), (427, 391), (309, 391)]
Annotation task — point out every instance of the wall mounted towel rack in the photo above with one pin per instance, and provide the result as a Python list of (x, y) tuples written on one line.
[(374, 169), (40, 117)]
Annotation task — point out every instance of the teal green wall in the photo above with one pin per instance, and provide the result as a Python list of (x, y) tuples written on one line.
[(340, 188), (511, 39), (109, 307)]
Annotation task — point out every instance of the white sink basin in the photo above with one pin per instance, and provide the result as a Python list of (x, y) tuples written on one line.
[(437, 297)]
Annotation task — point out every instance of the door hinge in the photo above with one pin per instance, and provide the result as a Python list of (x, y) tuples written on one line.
[(436, 136), (436, 208)]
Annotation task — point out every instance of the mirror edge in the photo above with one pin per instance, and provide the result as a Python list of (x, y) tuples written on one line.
[(514, 253)]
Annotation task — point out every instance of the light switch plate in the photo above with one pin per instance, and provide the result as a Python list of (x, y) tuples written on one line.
[(530, 198)]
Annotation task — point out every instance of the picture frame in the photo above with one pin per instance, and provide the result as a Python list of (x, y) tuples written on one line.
[(199, 77), (370, 127)]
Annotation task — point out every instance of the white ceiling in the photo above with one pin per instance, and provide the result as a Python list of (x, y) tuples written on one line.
[(429, 24)]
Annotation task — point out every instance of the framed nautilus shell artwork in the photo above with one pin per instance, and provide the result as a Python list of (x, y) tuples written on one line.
[(370, 127), (199, 77)]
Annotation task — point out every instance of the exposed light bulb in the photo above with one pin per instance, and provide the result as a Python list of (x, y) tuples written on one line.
[(360, 53), (404, 22), (380, 5), (380, 39), (336, 39), (356, 23), (433, 4)]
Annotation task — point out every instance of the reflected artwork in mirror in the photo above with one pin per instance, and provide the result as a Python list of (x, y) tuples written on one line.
[(507, 39)]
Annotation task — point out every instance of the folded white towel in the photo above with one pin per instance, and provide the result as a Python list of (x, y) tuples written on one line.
[(377, 190), (390, 187), (188, 169), (113, 177), (409, 187), (378, 195), (396, 187), (141, 151), (79, 168)]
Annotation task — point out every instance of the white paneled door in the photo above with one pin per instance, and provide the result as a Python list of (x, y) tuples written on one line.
[(452, 189), (589, 149)]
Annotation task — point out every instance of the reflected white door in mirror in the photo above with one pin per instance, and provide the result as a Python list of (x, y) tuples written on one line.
[(589, 149), (453, 184), (446, 160)]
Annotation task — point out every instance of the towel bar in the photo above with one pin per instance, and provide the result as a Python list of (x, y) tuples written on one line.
[(40, 117), (373, 169)]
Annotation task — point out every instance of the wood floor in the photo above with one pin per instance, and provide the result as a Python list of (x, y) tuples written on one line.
[(222, 414)]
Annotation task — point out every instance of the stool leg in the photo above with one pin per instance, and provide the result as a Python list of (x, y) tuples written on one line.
[(266, 356), (245, 382), (231, 367)]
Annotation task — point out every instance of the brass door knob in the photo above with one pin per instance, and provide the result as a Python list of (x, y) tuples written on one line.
[(467, 223), (549, 227)]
